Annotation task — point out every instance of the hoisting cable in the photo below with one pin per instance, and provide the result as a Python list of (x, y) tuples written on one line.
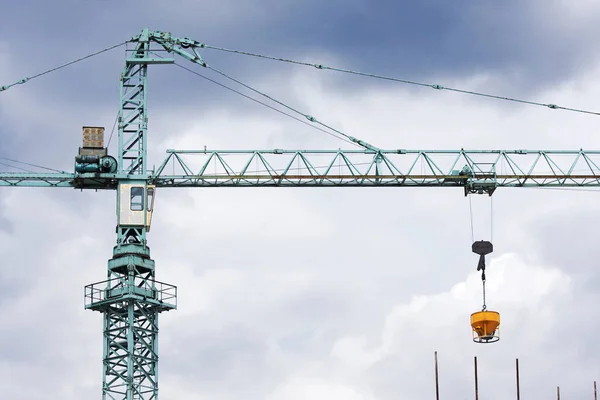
[(482, 248), (259, 102), (309, 117), (433, 86), (471, 214), (484, 307), (26, 79), (491, 241), (492, 219)]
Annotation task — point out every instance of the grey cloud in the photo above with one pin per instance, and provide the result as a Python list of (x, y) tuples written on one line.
[(5, 224), (466, 39), (382, 247), (567, 238)]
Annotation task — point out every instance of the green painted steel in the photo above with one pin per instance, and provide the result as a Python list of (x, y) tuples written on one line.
[(347, 168), (132, 299), (133, 116), (30, 179), (477, 171)]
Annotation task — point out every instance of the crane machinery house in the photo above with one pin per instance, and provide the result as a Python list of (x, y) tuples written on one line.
[(135, 199)]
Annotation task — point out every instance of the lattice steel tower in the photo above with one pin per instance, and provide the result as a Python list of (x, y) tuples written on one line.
[(130, 299)]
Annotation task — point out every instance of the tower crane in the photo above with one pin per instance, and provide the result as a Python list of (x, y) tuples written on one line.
[(131, 297)]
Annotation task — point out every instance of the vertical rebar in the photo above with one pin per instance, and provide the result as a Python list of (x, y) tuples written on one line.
[(595, 392), (437, 387), (518, 384), (476, 383), (558, 393)]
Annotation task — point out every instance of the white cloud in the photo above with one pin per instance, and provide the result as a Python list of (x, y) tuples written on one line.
[(525, 295), (512, 287), (316, 389), (571, 16)]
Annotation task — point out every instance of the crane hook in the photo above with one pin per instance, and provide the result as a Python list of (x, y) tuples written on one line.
[(482, 248)]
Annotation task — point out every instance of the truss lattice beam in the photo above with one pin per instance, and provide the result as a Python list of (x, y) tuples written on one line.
[(442, 168), (352, 168), (30, 179)]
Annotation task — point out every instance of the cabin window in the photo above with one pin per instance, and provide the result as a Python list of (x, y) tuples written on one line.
[(137, 198), (150, 200)]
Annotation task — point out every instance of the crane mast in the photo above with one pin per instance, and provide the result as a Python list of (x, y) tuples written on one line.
[(131, 298)]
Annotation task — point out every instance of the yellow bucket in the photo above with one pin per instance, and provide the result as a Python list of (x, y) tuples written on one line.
[(486, 326)]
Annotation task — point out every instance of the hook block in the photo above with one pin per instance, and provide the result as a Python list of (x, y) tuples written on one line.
[(482, 247)]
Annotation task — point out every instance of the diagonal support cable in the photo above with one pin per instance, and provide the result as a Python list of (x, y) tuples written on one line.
[(399, 80), (308, 117), (27, 79)]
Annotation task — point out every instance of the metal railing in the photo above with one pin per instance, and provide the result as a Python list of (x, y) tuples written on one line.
[(117, 288)]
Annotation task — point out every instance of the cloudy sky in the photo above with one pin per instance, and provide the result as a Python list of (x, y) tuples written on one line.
[(289, 294)]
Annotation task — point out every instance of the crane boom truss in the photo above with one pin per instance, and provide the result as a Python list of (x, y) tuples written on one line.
[(473, 170), (346, 168)]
